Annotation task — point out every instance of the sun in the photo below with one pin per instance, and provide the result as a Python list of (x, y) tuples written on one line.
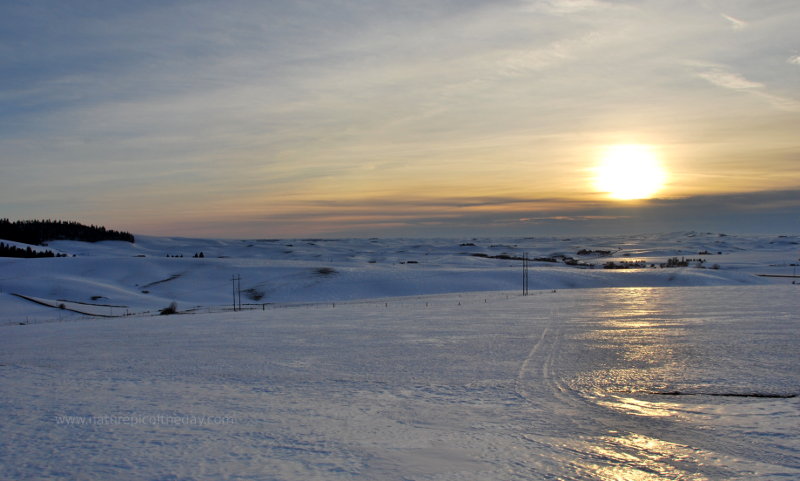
[(629, 172)]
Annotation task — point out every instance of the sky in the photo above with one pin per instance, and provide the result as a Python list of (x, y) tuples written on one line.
[(349, 118)]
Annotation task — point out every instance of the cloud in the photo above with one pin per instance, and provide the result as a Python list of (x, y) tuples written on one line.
[(722, 78), (781, 103), (755, 212), (794, 60), (729, 80), (735, 22), (523, 62), (569, 6)]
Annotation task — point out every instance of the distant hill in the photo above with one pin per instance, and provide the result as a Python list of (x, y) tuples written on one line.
[(36, 232)]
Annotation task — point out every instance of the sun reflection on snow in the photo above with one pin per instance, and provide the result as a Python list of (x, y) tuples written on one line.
[(642, 353), (635, 457), (640, 342), (642, 349), (639, 407)]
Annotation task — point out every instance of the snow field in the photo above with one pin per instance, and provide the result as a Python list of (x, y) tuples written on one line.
[(576, 384), (115, 278)]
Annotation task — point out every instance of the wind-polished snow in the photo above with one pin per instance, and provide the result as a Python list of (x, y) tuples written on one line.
[(609, 384)]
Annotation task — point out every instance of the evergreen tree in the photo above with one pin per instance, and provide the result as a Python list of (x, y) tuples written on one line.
[(36, 232), (7, 250)]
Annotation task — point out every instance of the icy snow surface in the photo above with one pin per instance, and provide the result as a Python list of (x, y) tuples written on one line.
[(624, 383)]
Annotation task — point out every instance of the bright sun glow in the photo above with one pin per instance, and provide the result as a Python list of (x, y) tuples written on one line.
[(627, 172)]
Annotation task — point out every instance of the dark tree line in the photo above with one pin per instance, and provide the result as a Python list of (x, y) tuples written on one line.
[(36, 232), (14, 251)]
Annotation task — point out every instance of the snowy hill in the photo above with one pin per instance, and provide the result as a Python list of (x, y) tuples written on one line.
[(114, 278), (403, 359)]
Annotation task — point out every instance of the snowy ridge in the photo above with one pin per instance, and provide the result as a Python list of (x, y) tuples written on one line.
[(147, 276)]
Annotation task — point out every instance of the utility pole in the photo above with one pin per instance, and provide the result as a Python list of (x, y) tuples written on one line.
[(237, 291), (524, 273)]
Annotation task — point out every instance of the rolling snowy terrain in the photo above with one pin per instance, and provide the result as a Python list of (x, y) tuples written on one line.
[(115, 278), (400, 359)]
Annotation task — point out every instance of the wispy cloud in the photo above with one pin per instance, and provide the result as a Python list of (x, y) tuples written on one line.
[(781, 103), (735, 22), (730, 80), (770, 211), (569, 6)]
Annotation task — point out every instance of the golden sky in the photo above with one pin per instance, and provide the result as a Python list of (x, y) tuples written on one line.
[(370, 118)]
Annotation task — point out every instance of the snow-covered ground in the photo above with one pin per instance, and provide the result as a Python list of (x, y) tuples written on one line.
[(621, 383), (115, 278), (381, 368)]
